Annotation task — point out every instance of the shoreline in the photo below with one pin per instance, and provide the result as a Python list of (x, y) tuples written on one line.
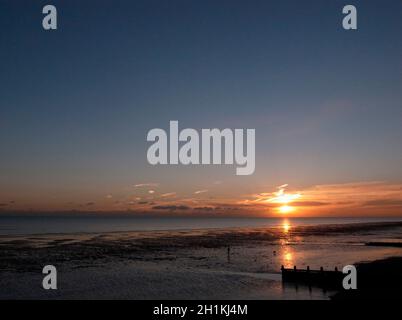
[(191, 264), (329, 226), (46, 225)]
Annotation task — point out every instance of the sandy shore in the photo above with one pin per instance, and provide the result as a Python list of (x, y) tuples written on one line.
[(185, 264)]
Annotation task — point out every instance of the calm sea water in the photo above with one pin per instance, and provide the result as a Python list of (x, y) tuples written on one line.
[(20, 225)]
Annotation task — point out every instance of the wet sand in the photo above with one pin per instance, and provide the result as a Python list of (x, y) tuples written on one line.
[(186, 264)]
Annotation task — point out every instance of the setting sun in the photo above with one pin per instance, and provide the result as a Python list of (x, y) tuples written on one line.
[(286, 209), (282, 197)]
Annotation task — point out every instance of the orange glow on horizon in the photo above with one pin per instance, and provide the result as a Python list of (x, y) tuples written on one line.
[(282, 197), (286, 209), (285, 199)]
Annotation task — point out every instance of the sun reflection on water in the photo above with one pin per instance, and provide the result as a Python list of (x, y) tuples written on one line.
[(286, 226), (287, 260), (287, 251)]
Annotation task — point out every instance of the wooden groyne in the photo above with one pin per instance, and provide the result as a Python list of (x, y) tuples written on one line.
[(320, 278)]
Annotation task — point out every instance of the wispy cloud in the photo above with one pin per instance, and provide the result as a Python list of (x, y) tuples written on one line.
[(384, 203), (358, 198), (167, 195), (172, 207), (200, 191), (150, 184), (309, 203), (279, 196)]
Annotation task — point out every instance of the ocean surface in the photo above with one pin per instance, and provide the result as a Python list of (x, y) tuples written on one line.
[(25, 225), (182, 261)]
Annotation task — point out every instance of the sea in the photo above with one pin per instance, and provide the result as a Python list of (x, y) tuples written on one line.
[(56, 224)]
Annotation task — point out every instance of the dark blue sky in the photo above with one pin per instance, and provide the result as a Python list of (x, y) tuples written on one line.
[(76, 103)]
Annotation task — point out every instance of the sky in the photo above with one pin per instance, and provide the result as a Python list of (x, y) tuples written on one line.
[(76, 105)]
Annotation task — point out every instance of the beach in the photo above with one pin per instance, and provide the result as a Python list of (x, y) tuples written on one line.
[(224, 263)]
